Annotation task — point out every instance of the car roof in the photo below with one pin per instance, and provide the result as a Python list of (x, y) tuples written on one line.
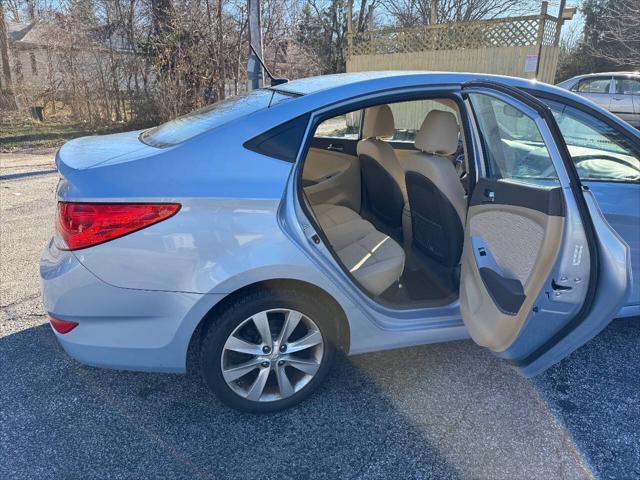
[(343, 86), (320, 92), (310, 85), (606, 74), (305, 86)]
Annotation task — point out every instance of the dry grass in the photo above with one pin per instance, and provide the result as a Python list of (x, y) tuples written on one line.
[(19, 133)]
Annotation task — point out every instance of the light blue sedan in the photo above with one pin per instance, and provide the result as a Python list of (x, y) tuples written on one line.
[(352, 213)]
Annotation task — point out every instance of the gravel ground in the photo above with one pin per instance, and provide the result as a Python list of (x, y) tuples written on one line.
[(441, 411)]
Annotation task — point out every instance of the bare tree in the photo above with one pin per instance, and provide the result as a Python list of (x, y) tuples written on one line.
[(411, 13), (322, 29), (7, 98), (12, 10), (147, 60), (618, 40)]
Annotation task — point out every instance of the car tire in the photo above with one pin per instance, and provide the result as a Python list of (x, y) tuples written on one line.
[(284, 368)]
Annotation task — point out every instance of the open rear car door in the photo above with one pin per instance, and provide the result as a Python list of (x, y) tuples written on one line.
[(542, 271)]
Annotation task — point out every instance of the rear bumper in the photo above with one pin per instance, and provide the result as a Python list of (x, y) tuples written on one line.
[(119, 328)]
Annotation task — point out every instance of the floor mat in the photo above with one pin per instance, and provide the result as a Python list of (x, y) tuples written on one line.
[(421, 285), (423, 280)]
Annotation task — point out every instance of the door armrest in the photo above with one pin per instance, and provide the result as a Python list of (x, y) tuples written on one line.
[(507, 293)]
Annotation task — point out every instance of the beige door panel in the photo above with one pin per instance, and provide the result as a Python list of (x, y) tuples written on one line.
[(321, 163), (525, 244), (337, 175)]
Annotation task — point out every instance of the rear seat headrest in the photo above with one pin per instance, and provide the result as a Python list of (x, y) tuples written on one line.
[(438, 133), (378, 122)]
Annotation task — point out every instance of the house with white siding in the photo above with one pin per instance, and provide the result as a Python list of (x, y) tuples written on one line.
[(50, 63)]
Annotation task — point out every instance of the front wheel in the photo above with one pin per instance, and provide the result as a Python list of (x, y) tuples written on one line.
[(268, 350)]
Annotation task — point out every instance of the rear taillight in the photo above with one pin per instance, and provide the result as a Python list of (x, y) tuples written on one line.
[(83, 225), (62, 326)]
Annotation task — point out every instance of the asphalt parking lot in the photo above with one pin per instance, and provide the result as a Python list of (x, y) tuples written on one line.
[(440, 411)]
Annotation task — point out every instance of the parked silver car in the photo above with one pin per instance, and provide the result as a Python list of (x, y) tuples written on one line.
[(618, 92), (355, 213)]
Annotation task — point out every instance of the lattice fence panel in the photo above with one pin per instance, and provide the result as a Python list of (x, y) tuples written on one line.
[(511, 32), (549, 33)]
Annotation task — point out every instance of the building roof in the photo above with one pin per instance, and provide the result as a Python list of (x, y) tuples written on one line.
[(53, 34), (43, 34), (17, 30)]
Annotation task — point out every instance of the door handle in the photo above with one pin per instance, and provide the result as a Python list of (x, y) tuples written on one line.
[(335, 147), (328, 176), (558, 287)]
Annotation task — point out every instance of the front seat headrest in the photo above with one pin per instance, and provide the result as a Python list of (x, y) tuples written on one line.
[(438, 133), (378, 122)]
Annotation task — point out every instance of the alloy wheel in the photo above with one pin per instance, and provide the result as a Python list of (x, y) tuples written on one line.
[(272, 355)]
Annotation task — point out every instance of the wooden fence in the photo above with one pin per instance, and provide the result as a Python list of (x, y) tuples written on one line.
[(524, 46)]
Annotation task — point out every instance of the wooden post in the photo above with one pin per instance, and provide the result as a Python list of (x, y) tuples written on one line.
[(254, 68), (543, 18), (370, 24), (222, 73), (349, 29), (560, 23)]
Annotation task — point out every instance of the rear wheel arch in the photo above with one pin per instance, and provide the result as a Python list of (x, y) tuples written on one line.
[(342, 330)]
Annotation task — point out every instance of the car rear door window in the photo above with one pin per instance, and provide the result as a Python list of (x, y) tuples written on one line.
[(627, 86), (513, 145)]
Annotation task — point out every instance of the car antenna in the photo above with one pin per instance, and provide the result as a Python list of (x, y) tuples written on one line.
[(274, 81)]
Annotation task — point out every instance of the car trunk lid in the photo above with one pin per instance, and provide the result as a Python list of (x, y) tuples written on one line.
[(87, 152)]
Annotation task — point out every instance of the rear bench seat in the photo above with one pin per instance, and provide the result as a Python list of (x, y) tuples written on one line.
[(373, 258)]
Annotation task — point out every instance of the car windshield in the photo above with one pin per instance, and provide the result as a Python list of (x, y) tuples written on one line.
[(207, 118)]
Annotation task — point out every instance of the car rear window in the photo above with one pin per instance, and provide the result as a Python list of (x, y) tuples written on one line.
[(207, 118)]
